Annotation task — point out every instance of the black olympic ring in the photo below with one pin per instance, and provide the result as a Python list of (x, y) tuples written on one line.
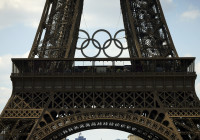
[(88, 37), (115, 36), (101, 30), (98, 46), (104, 48), (88, 40)]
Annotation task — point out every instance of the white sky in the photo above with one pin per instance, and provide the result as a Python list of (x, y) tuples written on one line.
[(20, 18)]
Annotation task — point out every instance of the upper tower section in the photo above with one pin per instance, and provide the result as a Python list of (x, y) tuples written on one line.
[(57, 33), (146, 30)]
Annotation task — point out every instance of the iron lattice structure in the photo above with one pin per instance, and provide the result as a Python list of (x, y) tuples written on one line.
[(151, 94)]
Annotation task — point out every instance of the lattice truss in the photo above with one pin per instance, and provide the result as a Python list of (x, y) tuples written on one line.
[(104, 100), (157, 114), (188, 127), (53, 35), (115, 99), (179, 99), (75, 100), (18, 129), (63, 104), (147, 31), (28, 100)]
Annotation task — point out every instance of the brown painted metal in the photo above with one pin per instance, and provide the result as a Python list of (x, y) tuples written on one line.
[(151, 95), (147, 29), (155, 101), (57, 33)]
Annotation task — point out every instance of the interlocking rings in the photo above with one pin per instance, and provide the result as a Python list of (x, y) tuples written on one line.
[(87, 41)]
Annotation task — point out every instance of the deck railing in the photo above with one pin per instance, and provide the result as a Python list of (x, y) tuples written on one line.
[(102, 66)]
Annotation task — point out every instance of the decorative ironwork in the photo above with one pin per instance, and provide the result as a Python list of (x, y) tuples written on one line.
[(125, 121), (97, 45), (147, 30), (151, 94), (56, 32)]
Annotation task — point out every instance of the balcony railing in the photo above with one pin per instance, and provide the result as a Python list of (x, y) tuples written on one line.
[(102, 66)]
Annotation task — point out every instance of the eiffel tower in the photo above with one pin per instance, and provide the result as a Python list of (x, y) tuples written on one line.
[(55, 94)]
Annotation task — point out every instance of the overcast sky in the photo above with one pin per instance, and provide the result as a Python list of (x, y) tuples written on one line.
[(19, 20)]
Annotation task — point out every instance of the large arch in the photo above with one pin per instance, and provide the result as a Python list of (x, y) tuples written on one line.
[(133, 123)]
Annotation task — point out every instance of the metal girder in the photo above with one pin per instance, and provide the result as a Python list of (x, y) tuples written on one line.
[(147, 31), (42, 99), (57, 32), (153, 97)]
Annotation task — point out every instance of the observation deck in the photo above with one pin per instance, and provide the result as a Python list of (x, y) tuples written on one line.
[(101, 73)]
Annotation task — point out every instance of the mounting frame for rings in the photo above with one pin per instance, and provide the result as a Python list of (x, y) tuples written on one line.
[(98, 46)]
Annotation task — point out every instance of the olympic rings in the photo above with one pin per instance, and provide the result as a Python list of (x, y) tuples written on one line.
[(88, 40), (98, 46), (104, 48), (115, 36), (102, 30), (88, 36)]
